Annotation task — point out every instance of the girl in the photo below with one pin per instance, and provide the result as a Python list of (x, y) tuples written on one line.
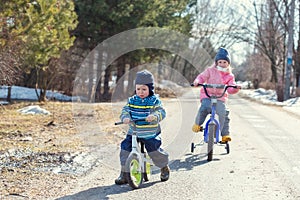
[(218, 73)]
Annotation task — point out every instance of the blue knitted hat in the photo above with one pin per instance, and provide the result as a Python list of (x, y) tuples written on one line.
[(223, 54)]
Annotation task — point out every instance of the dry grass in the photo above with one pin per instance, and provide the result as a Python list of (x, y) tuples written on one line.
[(52, 133), (39, 132)]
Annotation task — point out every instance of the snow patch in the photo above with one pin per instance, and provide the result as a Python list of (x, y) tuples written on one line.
[(34, 110)]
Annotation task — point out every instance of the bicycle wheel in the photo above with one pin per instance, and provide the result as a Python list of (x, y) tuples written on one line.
[(210, 143), (147, 172), (134, 173), (192, 147), (227, 148)]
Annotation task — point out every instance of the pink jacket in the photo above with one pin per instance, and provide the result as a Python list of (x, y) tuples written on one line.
[(213, 76)]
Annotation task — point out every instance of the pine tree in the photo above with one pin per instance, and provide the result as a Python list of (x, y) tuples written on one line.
[(44, 28)]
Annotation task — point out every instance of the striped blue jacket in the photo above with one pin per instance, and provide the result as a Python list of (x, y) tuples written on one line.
[(137, 108)]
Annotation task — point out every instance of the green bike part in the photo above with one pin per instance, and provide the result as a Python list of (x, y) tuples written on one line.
[(135, 172)]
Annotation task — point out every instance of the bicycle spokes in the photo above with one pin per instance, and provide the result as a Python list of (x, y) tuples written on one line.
[(135, 172)]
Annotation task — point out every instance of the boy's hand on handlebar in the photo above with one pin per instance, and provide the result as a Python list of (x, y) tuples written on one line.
[(150, 118), (126, 120)]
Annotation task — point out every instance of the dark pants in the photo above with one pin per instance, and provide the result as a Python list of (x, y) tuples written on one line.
[(159, 157)]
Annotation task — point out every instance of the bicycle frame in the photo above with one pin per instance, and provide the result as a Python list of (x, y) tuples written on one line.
[(136, 149), (214, 121), (137, 159)]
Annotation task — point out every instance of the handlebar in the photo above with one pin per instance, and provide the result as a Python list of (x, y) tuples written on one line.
[(131, 121), (215, 86), (118, 123)]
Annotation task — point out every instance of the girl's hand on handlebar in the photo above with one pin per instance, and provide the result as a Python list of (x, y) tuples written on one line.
[(195, 83), (126, 121), (238, 87), (150, 118)]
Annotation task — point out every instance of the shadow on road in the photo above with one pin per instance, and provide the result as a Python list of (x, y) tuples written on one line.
[(103, 192), (189, 162)]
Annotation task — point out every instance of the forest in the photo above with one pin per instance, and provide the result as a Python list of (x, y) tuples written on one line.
[(87, 47)]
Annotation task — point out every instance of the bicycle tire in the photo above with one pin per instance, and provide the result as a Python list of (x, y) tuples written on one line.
[(227, 148), (133, 170), (145, 174), (192, 147), (210, 143)]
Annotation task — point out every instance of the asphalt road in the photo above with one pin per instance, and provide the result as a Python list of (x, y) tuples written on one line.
[(264, 159)]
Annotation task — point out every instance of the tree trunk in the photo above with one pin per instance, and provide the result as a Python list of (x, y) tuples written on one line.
[(131, 78), (280, 91), (98, 91), (106, 94), (173, 64), (289, 56), (44, 85), (274, 77), (8, 98), (120, 73), (298, 86), (42, 97), (91, 86), (99, 65)]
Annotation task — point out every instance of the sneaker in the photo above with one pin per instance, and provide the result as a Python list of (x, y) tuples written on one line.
[(226, 138), (197, 128), (165, 173)]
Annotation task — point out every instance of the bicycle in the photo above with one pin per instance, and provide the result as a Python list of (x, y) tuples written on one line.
[(138, 163), (212, 126)]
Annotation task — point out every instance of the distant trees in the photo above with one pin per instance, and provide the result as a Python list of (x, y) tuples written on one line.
[(43, 27), (10, 46), (270, 42), (217, 26), (10, 65), (99, 20), (10, 61), (45, 42)]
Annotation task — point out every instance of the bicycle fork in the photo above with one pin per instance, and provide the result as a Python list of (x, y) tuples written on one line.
[(216, 128), (136, 151)]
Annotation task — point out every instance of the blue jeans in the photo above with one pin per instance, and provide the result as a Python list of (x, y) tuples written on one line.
[(221, 110), (159, 157)]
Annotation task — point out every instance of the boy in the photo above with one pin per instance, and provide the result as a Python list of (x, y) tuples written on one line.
[(144, 104)]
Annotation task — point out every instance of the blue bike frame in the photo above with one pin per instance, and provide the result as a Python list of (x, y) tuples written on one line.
[(214, 100), (212, 119)]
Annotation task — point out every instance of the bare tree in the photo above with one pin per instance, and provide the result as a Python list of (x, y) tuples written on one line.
[(221, 25), (271, 39), (10, 72), (297, 56), (214, 26), (254, 69)]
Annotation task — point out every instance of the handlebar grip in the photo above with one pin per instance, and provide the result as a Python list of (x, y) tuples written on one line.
[(233, 86), (132, 121), (199, 84)]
